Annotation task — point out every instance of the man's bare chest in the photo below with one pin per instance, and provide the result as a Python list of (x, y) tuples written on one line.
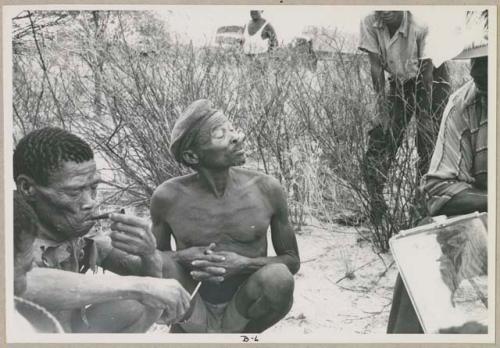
[(241, 218)]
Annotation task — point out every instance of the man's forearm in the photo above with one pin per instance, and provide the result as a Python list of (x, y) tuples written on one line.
[(175, 256), (61, 290), (270, 34), (465, 202), (377, 74), (171, 260), (152, 265)]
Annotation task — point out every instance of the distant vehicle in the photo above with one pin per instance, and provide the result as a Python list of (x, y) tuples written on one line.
[(302, 46), (229, 36)]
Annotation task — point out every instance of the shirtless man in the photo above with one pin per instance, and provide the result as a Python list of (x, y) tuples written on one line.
[(56, 175), (219, 217)]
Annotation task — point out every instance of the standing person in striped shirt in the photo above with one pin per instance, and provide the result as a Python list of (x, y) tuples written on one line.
[(456, 182)]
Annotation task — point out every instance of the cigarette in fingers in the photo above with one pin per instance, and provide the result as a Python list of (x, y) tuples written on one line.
[(195, 291), (106, 215)]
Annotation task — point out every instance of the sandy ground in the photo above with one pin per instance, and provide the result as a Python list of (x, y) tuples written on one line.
[(323, 304), (328, 307)]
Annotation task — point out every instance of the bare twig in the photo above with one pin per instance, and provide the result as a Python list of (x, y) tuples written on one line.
[(44, 68), (356, 269)]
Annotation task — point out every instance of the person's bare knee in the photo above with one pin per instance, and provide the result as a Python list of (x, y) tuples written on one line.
[(115, 316), (277, 282), (268, 289)]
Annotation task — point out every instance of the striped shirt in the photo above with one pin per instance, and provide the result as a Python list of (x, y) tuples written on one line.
[(460, 159)]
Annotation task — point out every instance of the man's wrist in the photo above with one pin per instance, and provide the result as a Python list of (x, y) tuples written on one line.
[(250, 265), (152, 264), (177, 256)]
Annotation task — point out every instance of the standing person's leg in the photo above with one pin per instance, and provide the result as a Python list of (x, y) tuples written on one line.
[(374, 172), (402, 110), (428, 123), (383, 145), (421, 107)]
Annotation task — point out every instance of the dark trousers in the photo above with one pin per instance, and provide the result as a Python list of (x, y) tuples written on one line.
[(403, 318), (405, 102)]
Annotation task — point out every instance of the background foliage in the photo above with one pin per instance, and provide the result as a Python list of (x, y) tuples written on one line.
[(120, 80)]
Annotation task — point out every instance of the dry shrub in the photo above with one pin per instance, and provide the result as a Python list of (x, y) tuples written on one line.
[(121, 82)]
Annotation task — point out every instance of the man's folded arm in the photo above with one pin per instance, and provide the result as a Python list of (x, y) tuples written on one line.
[(60, 290), (466, 201)]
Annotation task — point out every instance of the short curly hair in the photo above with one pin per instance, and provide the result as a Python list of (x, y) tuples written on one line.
[(42, 151)]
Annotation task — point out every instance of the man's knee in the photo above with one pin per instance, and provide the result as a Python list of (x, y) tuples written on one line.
[(276, 281), (115, 316)]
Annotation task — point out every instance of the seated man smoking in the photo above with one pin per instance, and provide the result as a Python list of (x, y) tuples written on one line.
[(56, 175)]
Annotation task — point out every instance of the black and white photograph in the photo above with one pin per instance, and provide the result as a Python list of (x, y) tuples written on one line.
[(249, 174)]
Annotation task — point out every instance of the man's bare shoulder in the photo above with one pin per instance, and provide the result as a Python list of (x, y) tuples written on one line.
[(169, 189), (266, 183)]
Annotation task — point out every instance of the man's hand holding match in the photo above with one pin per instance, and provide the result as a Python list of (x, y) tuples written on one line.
[(133, 235), (167, 294)]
